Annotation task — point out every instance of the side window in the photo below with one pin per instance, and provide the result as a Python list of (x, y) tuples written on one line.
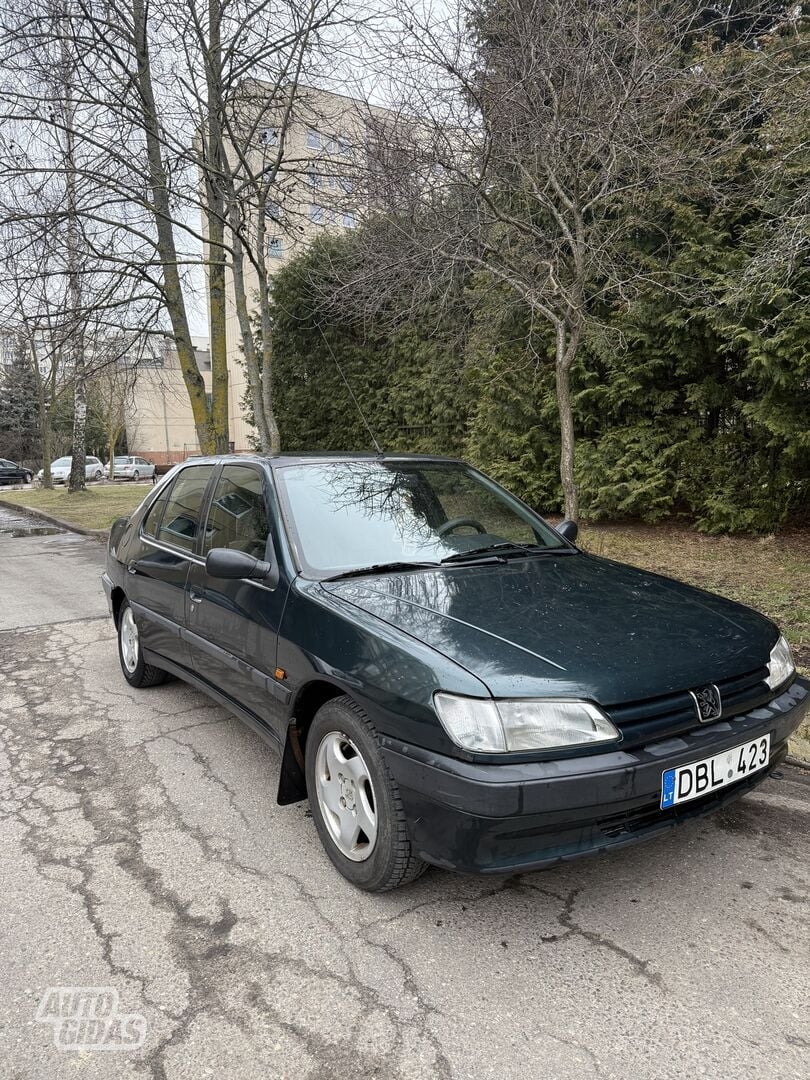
[(153, 515), (181, 518), (238, 515)]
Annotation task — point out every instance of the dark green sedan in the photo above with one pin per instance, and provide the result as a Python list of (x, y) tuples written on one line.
[(448, 679)]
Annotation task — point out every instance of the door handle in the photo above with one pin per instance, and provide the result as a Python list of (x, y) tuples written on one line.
[(131, 569), (194, 597)]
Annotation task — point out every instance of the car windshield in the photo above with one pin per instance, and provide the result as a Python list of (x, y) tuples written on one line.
[(349, 515), (60, 463), (122, 461)]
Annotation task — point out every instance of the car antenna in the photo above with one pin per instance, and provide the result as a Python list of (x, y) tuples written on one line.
[(377, 446)]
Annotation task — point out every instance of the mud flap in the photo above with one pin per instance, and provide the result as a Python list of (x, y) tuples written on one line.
[(292, 784)]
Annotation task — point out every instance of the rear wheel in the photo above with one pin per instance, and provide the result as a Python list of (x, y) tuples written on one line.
[(136, 671), (355, 801)]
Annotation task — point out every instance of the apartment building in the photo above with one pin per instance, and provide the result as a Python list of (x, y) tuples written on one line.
[(160, 424)]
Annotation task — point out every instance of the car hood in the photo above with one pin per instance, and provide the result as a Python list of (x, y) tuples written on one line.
[(570, 625)]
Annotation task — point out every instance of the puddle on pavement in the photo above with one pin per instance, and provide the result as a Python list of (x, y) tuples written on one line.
[(33, 530)]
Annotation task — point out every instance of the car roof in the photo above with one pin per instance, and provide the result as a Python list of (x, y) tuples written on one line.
[(315, 457)]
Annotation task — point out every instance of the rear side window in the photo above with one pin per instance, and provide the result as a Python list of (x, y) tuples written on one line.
[(238, 516), (181, 518), (152, 519)]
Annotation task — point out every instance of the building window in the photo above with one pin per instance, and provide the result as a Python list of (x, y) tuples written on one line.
[(268, 136), (349, 220), (344, 147), (316, 214), (314, 179), (273, 211), (275, 247), (313, 139)]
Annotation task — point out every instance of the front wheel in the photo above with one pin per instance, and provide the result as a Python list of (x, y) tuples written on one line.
[(27, 478), (98, 475), (136, 671), (136, 476), (355, 800)]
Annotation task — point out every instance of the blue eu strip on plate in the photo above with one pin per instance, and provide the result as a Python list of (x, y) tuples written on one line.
[(668, 790)]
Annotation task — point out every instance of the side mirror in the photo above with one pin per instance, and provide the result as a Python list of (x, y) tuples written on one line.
[(233, 564), (568, 529)]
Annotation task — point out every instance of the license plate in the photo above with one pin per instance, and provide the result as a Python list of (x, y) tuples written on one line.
[(703, 777)]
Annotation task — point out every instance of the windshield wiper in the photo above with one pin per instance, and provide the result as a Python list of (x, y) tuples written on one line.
[(381, 568), (506, 548)]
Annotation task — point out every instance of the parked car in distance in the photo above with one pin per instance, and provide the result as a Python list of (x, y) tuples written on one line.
[(132, 468), (10, 473), (449, 679), (60, 469)]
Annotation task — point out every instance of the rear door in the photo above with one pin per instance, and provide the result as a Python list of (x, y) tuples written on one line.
[(159, 562), (8, 471), (233, 625)]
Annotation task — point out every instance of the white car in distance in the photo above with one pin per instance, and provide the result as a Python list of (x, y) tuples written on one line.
[(60, 469), (132, 468)]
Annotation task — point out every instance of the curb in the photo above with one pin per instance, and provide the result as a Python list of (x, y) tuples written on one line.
[(101, 535)]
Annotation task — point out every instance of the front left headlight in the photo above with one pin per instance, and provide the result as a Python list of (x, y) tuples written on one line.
[(499, 727), (780, 664)]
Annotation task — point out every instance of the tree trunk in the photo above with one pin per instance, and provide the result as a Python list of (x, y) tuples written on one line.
[(77, 481), (246, 332), (567, 344), (215, 217), (266, 329), (174, 301), (78, 478), (45, 431)]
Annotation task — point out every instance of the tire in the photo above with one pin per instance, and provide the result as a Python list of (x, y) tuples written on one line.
[(98, 476), (372, 793), (27, 478), (136, 672), (136, 476)]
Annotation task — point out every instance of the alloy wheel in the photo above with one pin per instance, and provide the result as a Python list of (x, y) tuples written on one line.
[(130, 642), (346, 796)]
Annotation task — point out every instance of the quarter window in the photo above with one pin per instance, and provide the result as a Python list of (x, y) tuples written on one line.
[(238, 516), (153, 515), (181, 519)]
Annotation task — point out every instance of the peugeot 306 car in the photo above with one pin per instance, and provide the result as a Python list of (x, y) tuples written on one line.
[(448, 679)]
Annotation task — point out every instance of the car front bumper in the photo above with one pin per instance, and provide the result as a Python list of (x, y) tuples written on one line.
[(496, 819)]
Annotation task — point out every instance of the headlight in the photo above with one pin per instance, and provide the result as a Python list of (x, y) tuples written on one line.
[(780, 664), (498, 727)]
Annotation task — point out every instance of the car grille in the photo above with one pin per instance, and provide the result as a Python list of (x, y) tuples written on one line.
[(674, 714)]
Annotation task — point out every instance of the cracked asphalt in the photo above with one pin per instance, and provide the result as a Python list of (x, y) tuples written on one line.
[(141, 848)]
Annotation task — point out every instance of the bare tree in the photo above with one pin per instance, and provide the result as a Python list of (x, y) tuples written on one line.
[(526, 141), (163, 128)]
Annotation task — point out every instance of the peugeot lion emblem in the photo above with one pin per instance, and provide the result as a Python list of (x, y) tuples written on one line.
[(707, 703)]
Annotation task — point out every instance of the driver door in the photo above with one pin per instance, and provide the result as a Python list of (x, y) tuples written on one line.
[(232, 626)]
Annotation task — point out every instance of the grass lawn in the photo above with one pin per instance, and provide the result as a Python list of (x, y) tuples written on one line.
[(95, 508)]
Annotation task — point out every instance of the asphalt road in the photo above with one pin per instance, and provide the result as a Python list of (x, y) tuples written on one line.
[(141, 850)]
